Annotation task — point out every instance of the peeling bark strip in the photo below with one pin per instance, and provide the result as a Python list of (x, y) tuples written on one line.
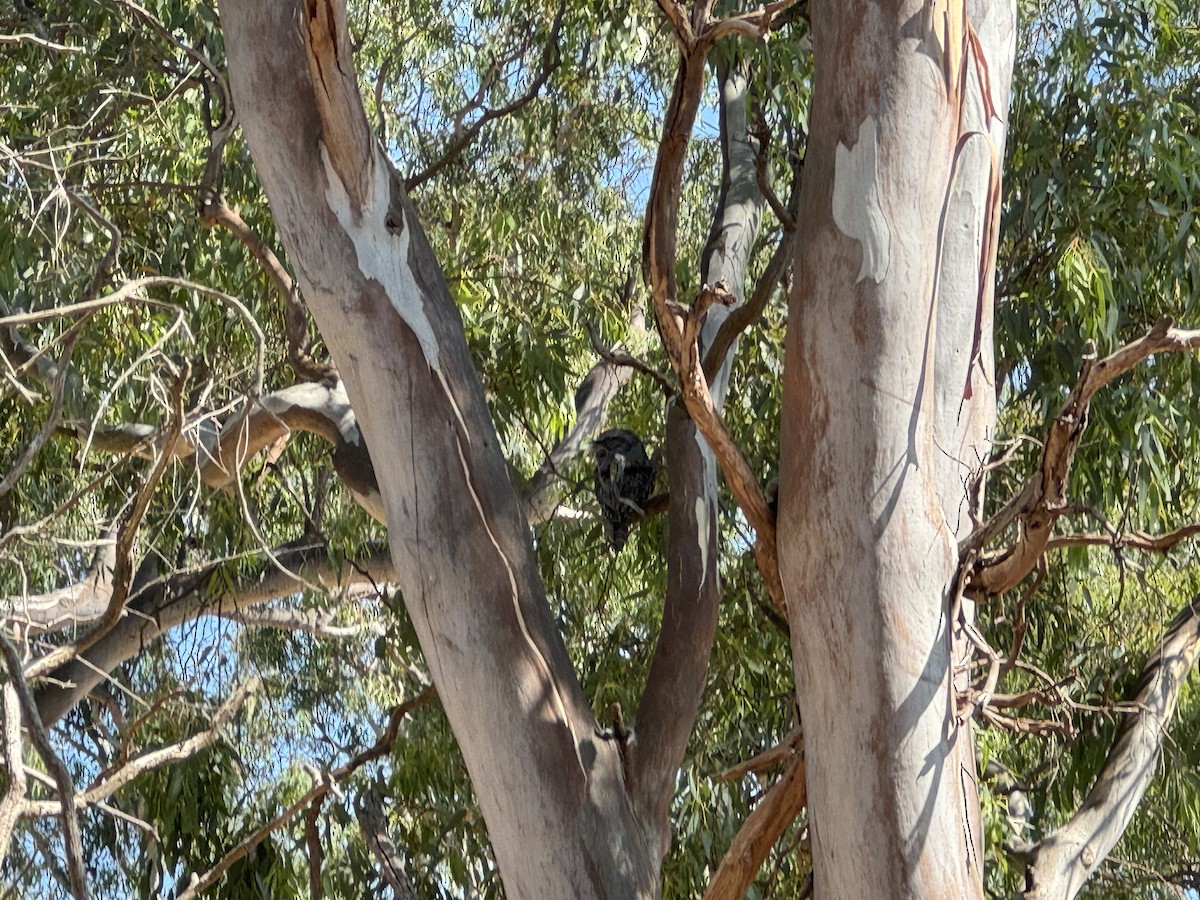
[(1065, 859), (877, 440), (347, 135)]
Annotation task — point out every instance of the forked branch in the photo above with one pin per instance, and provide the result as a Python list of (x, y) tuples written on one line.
[(1043, 499), (679, 325)]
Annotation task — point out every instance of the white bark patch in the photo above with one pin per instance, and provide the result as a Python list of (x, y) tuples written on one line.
[(856, 208), (535, 691), (382, 254), (704, 521)]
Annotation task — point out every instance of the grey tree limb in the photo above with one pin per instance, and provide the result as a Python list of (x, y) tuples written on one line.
[(679, 667), (369, 810), (1064, 859), (160, 604)]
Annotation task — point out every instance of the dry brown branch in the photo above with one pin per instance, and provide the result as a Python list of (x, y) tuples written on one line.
[(784, 750), (681, 24), (617, 357), (755, 25), (769, 819), (312, 843), (215, 211), (676, 323), (1020, 725), (1043, 499), (1020, 625)]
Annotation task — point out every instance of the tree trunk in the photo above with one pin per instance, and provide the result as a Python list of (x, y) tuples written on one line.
[(888, 407), (551, 788)]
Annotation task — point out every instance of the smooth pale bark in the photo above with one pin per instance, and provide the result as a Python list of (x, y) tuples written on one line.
[(889, 323), (551, 788), (1065, 859), (571, 812)]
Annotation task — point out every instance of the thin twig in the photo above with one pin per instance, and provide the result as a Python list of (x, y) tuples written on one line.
[(618, 358), (318, 790), (123, 570), (62, 778), (551, 60)]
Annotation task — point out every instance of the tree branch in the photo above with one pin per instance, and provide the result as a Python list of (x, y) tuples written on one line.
[(1131, 540), (122, 573), (762, 829), (1036, 507), (671, 698), (83, 601), (14, 766), (40, 739), (309, 621), (324, 784), (784, 750), (658, 263), (166, 603), (371, 821), (596, 391), (1064, 859), (215, 211), (551, 60)]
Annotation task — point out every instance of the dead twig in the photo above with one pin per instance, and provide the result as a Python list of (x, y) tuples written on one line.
[(620, 358), (784, 750)]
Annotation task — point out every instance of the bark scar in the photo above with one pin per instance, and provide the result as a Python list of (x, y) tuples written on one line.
[(857, 211)]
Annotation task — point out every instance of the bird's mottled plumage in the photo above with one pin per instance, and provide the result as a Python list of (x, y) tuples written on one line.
[(624, 481)]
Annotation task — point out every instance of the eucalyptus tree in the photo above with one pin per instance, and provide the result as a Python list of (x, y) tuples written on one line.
[(481, 212)]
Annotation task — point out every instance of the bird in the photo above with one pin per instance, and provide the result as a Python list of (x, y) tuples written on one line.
[(624, 481)]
